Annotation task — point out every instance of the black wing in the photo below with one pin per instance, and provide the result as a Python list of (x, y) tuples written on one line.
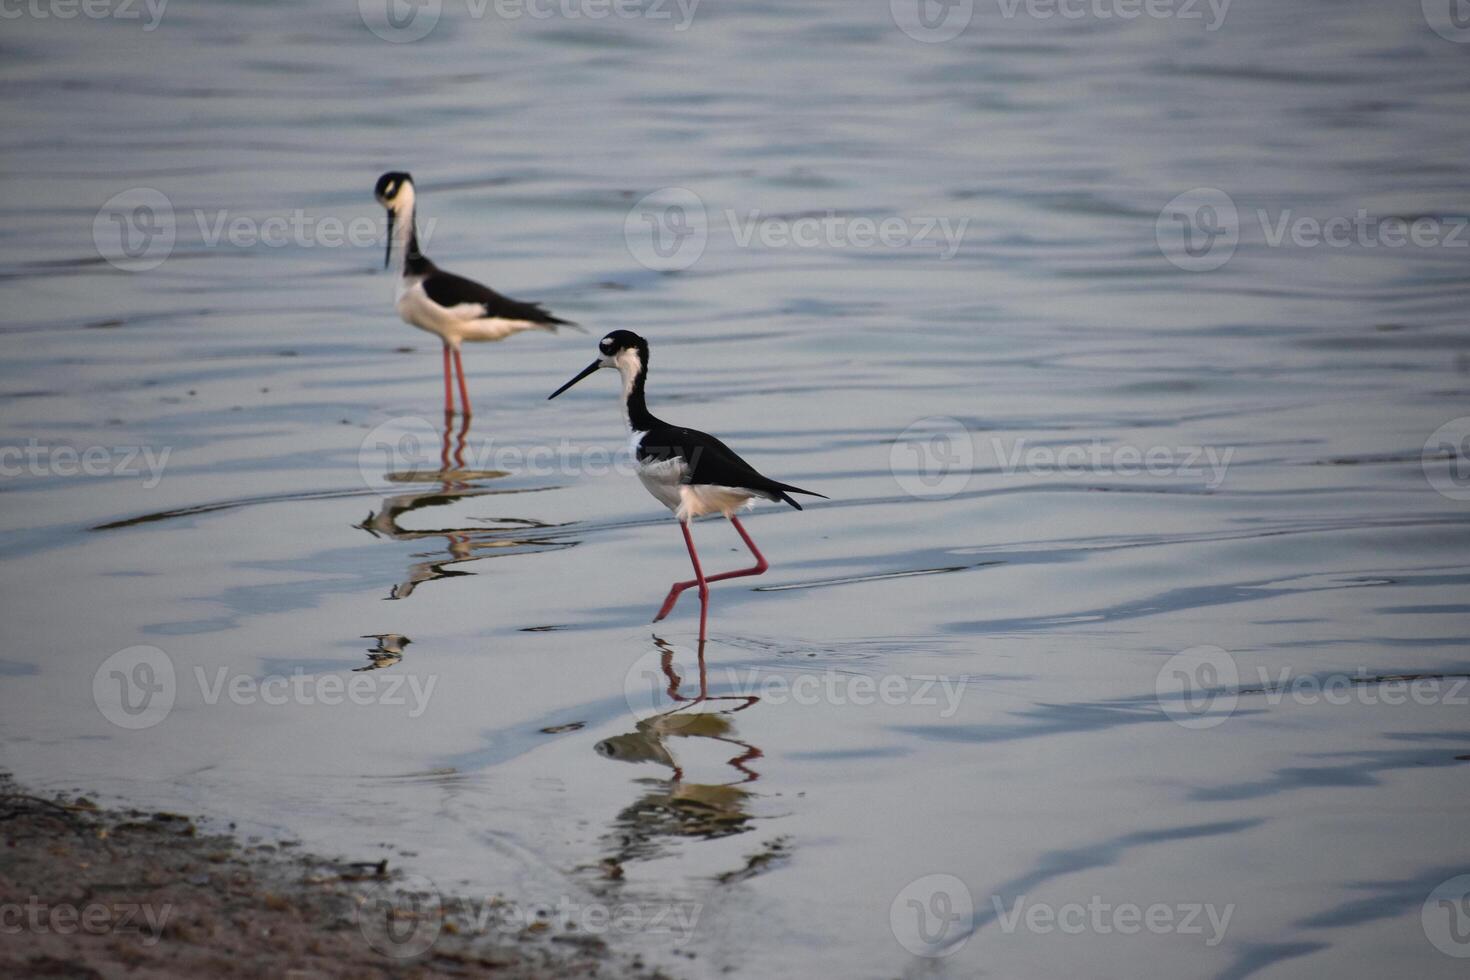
[(447, 289), (711, 462)]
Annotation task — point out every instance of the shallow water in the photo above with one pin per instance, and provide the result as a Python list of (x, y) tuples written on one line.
[(961, 663)]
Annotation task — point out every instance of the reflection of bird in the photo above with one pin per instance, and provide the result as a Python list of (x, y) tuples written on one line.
[(690, 472), (451, 307), (674, 807), (387, 653), (454, 482)]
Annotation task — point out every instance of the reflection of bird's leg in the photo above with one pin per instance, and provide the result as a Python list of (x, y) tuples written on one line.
[(459, 442), (758, 568), (750, 755), (666, 663)]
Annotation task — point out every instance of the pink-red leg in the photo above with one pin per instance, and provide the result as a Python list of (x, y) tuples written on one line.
[(448, 391), (699, 580), (464, 391), (678, 587)]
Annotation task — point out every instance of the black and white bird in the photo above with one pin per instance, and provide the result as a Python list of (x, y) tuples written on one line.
[(453, 308), (690, 472)]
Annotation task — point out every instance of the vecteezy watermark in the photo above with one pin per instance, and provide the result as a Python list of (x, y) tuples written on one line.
[(403, 21), (136, 688), (1445, 917), (831, 230), (37, 459), (1211, 12), (150, 12), (1097, 458), (135, 230), (1197, 687), (404, 919), (932, 916), (93, 918), (1199, 230), (936, 458), (1201, 687), (646, 688), (138, 229), (669, 230), (1446, 459), (935, 21), (410, 449), (1450, 19), (1101, 917)]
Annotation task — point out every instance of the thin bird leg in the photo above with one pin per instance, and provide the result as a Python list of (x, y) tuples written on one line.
[(679, 587), (464, 392), (448, 391), (757, 569)]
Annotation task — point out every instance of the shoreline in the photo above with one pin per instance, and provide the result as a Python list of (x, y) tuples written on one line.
[(90, 891)]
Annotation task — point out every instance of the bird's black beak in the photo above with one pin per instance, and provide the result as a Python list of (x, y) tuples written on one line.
[(388, 255), (589, 369)]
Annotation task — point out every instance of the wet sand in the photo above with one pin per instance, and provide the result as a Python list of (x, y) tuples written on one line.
[(87, 891)]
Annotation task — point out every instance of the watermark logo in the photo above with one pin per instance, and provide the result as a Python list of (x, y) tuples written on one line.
[(90, 9), (932, 21), (668, 230), (1445, 917), (400, 21), (397, 449), (1211, 12), (932, 916), (1198, 230), (1198, 687), (832, 230), (1101, 917), (37, 459), (934, 458), (405, 918), (1446, 459), (1450, 19), (135, 688), (1207, 464), (402, 919), (135, 230), (93, 919)]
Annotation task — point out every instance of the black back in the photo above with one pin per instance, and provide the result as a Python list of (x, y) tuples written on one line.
[(448, 289)]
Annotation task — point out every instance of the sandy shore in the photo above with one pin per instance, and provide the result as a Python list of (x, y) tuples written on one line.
[(87, 891)]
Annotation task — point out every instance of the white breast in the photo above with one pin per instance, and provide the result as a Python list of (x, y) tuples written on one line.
[(664, 479)]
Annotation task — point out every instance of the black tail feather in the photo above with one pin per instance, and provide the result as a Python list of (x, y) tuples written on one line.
[(783, 491)]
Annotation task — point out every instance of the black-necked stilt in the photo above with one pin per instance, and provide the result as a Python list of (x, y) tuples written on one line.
[(690, 472), (453, 308)]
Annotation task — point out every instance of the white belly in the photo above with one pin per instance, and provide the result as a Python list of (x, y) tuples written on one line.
[(665, 480), (453, 323)]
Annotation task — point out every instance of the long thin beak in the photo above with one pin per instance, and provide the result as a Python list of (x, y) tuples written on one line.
[(388, 255), (589, 369)]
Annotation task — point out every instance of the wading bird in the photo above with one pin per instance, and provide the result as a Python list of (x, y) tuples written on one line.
[(453, 308), (690, 472)]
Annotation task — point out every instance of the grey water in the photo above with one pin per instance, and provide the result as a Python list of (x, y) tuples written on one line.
[(1131, 352)]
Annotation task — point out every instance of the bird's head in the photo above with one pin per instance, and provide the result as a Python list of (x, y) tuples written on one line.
[(621, 349), (395, 188), (394, 192)]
